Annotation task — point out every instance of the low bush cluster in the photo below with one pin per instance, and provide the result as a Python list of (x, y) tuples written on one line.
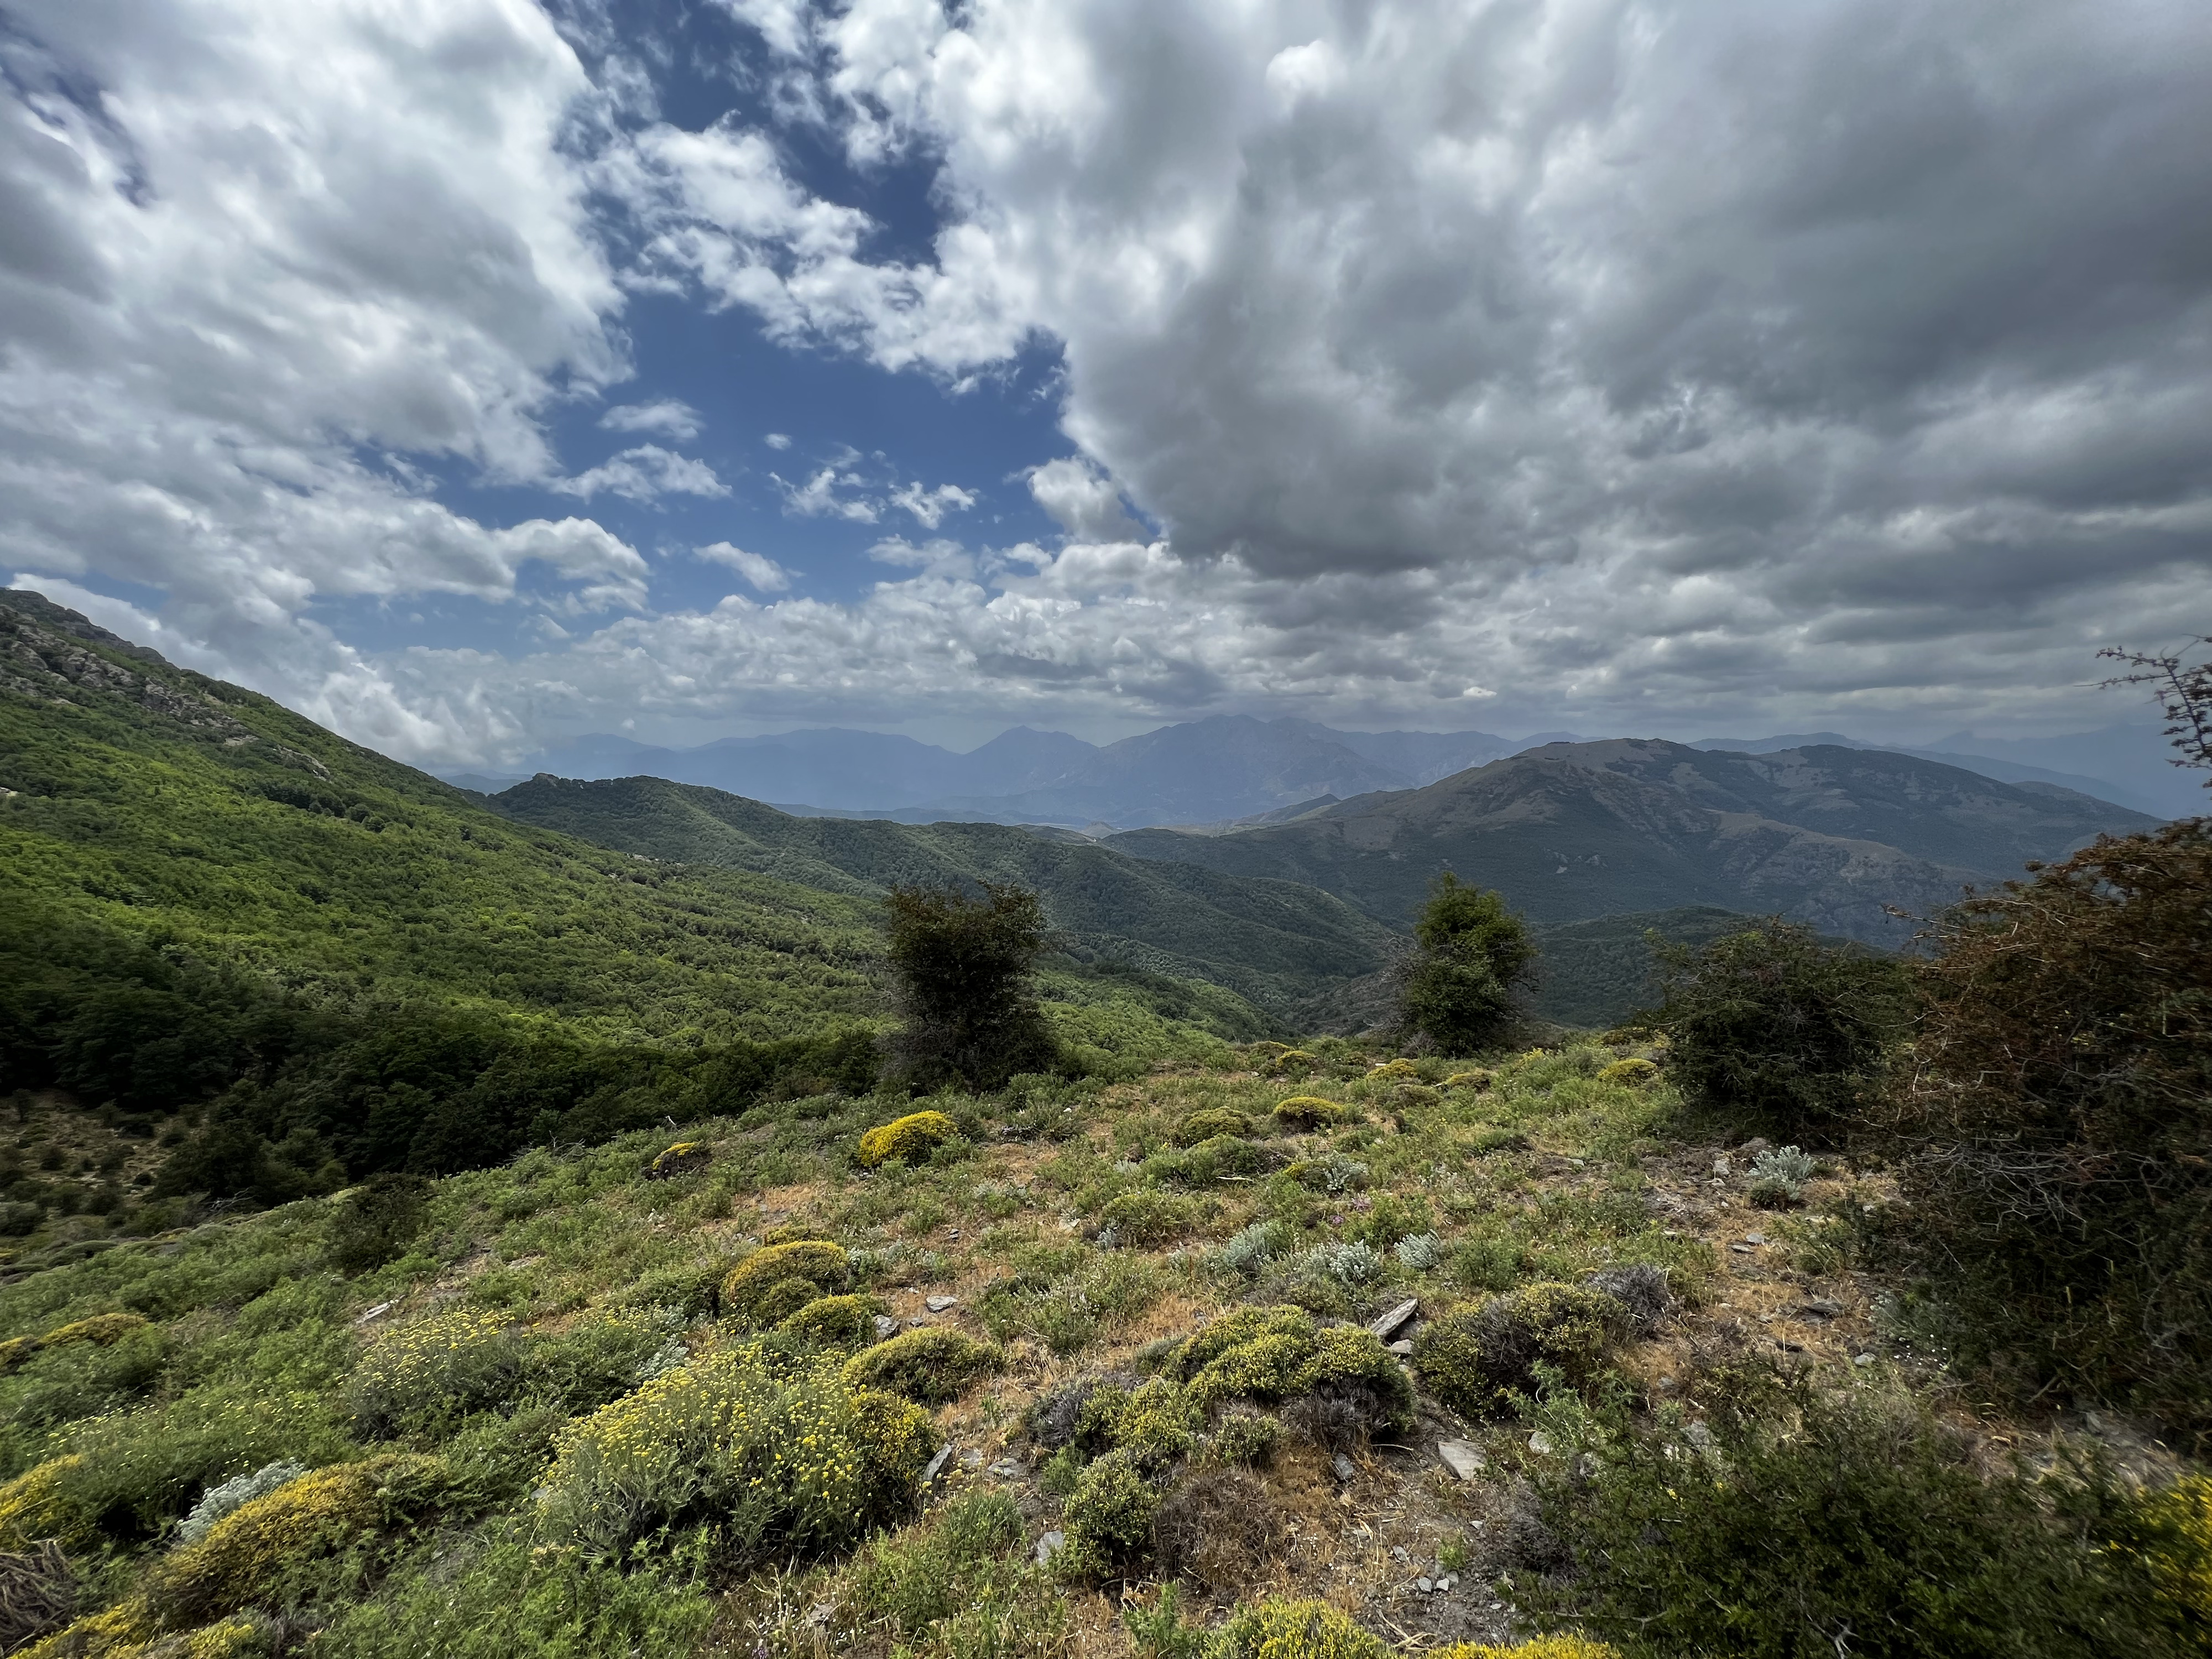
[(1854, 1520), (911, 1139), (1303, 1112), (1476, 1360), (759, 1460), (777, 1280), (930, 1366)]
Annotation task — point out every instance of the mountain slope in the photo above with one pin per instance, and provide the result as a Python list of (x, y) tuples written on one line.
[(1271, 942), (336, 965), (1574, 831)]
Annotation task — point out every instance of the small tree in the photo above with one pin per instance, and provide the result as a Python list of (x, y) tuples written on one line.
[(962, 962), (1771, 1027), (1471, 956)]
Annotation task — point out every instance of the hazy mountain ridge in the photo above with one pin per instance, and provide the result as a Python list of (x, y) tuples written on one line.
[(1225, 770), (1571, 832)]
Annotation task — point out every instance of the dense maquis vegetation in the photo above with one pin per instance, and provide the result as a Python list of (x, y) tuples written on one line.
[(606, 1296)]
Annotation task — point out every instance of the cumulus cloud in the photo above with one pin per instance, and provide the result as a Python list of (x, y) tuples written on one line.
[(643, 474), (1834, 326), (765, 574), (1618, 360), (256, 255), (670, 416), (929, 507)]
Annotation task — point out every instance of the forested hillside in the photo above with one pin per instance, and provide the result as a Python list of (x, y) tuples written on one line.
[(1277, 943), (1573, 832)]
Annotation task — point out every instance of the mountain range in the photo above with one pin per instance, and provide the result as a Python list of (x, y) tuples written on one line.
[(1227, 771), (1570, 832)]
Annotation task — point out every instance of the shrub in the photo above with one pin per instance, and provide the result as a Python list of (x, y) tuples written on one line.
[(101, 1330), (685, 1158), (1633, 1072), (1206, 1163), (766, 1464), (1845, 1513), (931, 1365), (1250, 1249), (1212, 1121), (1331, 1172), (425, 1377), (911, 1139), (835, 1321), (1280, 1629), (1109, 1519), (216, 1502), (1477, 1080), (1773, 1028), (1293, 1062), (751, 1282), (42, 1502), (963, 965), (1308, 1112), (267, 1552), (1778, 1175), (1460, 988), (375, 1222), (1146, 1219), (1475, 1360), (1241, 1438), (1275, 1354), (1420, 1251), (2058, 1120)]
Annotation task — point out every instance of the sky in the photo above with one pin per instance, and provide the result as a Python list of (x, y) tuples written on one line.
[(468, 374)]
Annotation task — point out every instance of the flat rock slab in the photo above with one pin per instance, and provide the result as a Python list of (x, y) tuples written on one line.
[(939, 1303), (1396, 1320), (1463, 1457)]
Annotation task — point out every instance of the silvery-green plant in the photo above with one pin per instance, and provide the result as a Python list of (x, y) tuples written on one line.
[(1338, 1173), (1349, 1264), (1251, 1249), (1778, 1175), (1421, 1252), (235, 1493)]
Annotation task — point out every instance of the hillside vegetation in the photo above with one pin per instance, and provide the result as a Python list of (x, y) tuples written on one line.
[(1275, 943), (207, 902), (1083, 1374)]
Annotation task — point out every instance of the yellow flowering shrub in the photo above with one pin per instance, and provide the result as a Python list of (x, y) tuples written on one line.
[(120, 1632), (814, 1261), (932, 1365), (911, 1138), (1404, 1069), (1473, 1359), (774, 1465), (267, 1551), (101, 1330), (15, 1351), (1293, 1062), (1543, 1647), (40, 1503), (685, 1158), (1280, 1629), (1308, 1112), (1474, 1080), (1632, 1073), (2180, 1552), (425, 1377)]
